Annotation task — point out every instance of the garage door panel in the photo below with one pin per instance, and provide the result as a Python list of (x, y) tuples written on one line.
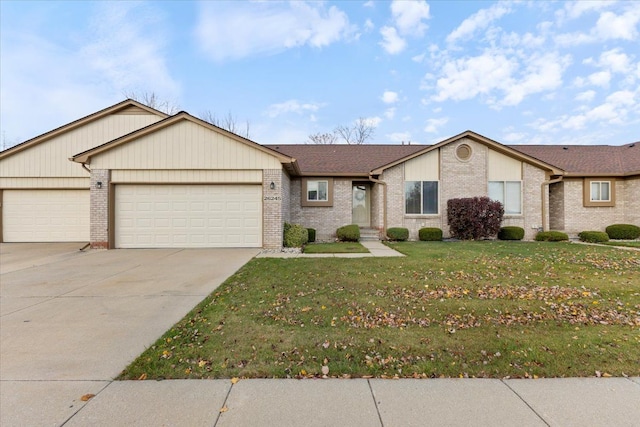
[(188, 216), (45, 215)]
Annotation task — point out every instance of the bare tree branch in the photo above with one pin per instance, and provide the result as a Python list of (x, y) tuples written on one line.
[(228, 122), (363, 131), (151, 99), (323, 138), (345, 132)]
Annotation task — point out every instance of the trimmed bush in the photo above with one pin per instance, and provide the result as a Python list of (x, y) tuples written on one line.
[(623, 231), (398, 233), (474, 218), (294, 235), (430, 234), (511, 233), (551, 236), (593, 236), (312, 234), (348, 233)]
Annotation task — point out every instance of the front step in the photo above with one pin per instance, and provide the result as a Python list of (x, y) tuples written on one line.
[(369, 234)]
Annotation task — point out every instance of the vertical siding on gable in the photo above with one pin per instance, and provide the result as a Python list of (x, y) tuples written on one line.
[(185, 145), (423, 168), (503, 168), (51, 158)]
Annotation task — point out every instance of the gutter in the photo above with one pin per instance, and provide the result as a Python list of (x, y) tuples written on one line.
[(544, 200), (384, 202)]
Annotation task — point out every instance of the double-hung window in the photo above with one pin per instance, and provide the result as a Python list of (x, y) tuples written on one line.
[(421, 197), (317, 191), (509, 193), (600, 191)]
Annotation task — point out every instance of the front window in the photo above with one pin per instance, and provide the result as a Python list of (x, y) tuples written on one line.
[(600, 191), (509, 193), (317, 191), (421, 197)]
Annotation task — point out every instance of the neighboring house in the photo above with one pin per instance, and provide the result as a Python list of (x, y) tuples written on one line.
[(150, 180)]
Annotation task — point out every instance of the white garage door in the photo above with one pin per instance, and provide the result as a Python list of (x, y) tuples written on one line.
[(45, 215), (188, 216)]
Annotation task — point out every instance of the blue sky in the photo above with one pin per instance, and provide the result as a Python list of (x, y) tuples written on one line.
[(525, 72)]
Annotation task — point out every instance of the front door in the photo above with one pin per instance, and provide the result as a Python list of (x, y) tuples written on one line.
[(361, 211)]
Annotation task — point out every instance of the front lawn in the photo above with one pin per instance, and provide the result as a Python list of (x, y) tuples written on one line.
[(629, 244), (335, 248), (477, 309)]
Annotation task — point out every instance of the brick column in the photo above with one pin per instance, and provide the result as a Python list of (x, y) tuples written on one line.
[(99, 209), (272, 212)]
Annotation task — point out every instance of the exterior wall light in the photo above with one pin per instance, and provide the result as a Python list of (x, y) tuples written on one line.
[(99, 184), (272, 185)]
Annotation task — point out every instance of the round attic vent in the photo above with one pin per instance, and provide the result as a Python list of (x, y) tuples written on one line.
[(463, 152)]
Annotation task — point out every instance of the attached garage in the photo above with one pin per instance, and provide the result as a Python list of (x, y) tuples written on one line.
[(45, 215), (188, 216)]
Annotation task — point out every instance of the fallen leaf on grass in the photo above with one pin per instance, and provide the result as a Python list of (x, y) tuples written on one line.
[(142, 377), (234, 380), (87, 397)]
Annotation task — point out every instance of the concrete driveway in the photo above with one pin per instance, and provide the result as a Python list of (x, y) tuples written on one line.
[(71, 320)]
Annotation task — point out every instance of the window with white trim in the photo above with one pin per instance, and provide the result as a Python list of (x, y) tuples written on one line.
[(509, 193), (421, 197), (317, 191), (600, 191)]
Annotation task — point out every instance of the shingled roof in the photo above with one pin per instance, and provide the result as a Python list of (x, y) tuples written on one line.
[(588, 159), (354, 160), (360, 160)]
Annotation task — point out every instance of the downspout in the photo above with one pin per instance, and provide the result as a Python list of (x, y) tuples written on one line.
[(544, 200), (384, 202), (84, 166)]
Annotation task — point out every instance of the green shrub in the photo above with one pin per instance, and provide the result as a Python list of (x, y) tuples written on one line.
[(294, 235), (430, 234), (593, 236), (511, 233), (312, 234), (399, 234), (623, 231), (551, 236), (348, 233), (474, 218)]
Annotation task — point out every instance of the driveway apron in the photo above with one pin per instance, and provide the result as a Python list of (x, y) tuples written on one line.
[(72, 320)]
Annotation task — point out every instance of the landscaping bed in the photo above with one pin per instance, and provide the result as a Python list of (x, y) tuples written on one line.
[(447, 309)]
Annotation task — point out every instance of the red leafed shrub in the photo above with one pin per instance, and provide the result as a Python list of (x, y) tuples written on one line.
[(474, 218)]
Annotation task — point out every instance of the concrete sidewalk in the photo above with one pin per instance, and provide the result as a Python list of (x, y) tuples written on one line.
[(365, 402), (376, 249)]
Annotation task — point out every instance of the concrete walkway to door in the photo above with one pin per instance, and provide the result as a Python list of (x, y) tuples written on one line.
[(71, 320)]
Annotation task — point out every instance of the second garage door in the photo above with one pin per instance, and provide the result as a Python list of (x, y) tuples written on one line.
[(188, 216)]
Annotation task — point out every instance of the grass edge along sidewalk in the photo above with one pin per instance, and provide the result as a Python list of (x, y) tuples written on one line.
[(463, 309)]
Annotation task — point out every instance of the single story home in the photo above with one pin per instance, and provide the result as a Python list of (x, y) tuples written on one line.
[(129, 176)]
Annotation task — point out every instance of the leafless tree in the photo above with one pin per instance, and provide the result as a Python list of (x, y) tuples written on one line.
[(228, 122), (151, 99), (326, 138), (357, 134)]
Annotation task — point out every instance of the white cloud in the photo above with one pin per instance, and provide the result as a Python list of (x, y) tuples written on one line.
[(369, 25), (434, 124), (615, 60), (467, 78), (601, 78), (612, 26), (391, 42), (389, 97), (227, 31), (543, 73), (575, 9), (408, 16), (478, 21), (399, 137), (291, 106), (390, 113), (586, 96), (513, 137), (373, 121)]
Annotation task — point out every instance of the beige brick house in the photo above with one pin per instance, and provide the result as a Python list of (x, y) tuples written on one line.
[(132, 177)]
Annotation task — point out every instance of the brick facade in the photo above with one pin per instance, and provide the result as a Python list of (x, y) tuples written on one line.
[(325, 220), (578, 217), (273, 213), (556, 206), (632, 201), (99, 209)]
